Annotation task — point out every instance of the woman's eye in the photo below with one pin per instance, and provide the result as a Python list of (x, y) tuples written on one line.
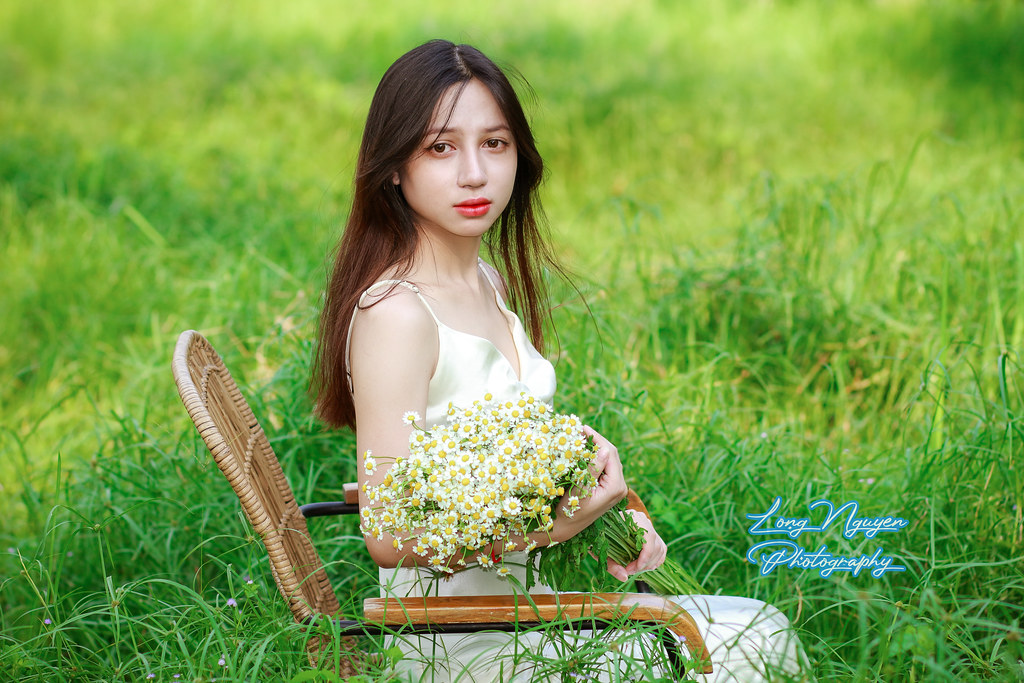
[(440, 147), (495, 143)]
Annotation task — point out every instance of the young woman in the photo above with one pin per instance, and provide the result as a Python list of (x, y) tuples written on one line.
[(414, 319)]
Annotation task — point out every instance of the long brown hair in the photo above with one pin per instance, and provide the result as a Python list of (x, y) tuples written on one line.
[(381, 236)]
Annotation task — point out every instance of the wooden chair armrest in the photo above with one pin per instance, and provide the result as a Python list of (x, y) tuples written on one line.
[(484, 609), (351, 490), (633, 502)]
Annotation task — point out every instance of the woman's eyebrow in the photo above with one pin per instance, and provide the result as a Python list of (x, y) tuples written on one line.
[(458, 131)]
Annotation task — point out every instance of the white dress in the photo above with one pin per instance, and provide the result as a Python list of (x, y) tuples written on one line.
[(748, 640)]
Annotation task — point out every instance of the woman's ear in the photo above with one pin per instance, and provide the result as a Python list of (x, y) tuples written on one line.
[(395, 179)]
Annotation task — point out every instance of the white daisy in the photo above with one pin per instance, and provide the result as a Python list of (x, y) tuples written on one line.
[(369, 463)]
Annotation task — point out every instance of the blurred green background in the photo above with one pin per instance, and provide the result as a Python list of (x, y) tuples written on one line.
[(798, 226)]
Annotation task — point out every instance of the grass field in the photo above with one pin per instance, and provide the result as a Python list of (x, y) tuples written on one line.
[(798, 227)]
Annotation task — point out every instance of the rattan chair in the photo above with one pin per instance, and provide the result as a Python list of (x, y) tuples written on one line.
[(243, 453)]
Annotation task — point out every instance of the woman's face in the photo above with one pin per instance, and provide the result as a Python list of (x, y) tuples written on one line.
[(461, 179)]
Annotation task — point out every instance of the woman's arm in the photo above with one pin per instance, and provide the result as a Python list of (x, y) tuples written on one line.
[(393, 353)]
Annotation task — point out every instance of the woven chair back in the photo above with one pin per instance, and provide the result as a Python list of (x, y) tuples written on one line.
[(243, 454)]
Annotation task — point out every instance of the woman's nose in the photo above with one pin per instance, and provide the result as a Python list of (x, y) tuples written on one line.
[(471, 170)]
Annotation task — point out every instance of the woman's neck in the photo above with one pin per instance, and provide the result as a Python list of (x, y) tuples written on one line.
[(440, 262)]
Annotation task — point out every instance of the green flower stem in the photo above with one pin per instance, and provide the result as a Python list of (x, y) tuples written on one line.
[(626, 540), (616, 535)]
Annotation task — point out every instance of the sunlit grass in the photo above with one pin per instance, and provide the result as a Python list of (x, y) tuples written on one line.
[(797, 226)]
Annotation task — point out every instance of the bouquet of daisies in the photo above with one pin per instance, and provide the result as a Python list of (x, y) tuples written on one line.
[(494, 471)]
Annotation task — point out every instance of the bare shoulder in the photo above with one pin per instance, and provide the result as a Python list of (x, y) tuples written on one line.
[(392, 356), (393, 311)]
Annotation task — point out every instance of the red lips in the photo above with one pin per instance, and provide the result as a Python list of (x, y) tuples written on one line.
[(478, 206)]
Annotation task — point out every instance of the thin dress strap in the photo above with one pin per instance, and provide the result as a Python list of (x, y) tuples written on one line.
[(348, 340), (487, 276)]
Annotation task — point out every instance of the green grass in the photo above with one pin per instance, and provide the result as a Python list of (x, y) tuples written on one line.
[(798, 228)]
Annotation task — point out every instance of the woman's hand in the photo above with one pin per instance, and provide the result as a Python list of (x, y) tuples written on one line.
[(610, 489), (651, 556), (607, 469)]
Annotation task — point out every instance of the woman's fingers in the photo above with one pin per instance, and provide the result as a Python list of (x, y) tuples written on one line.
[(612, 483), (651, 557), (607, 468), (610, 489), (603, 451), (617, 570), (654, 552), (599, 462)]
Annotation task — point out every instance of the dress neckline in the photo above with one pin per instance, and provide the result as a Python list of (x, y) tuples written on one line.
[(509, 318)]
